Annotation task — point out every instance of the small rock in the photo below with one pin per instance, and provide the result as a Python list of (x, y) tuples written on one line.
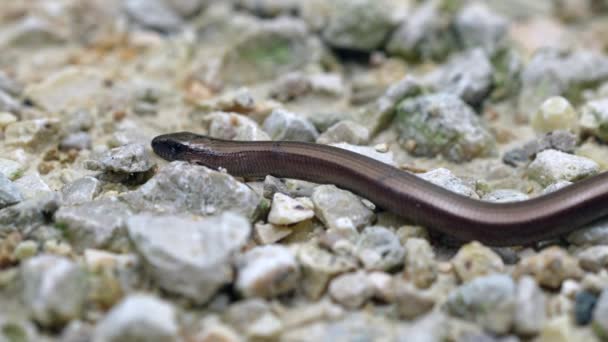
[(594, 258), (6, 119), (8, 103), (594, 118), (139, 317), (468, 75), (426, 34), (351, 290), (269, 49), (477, 25), (442, 124), (131, 158), (595, 233), (9, 192), (318, 266), (447, 180), (551, 166), (284, 125), (68, 89), (345, 131), (25, 250), (333, 204), (10, 85), (474, 260), (550, 267), (584, 303), (381, 113), (286, 210), (231, 126), (76, 141), (266, 234), (488, 301), (287, 186), (266, 271), (94, 224), (553, 72), (183, 187), (55, 289), (31, 185), (11, 169), (385, 157), (194, 257), (358, 24), (154, 14), (80, 191), (29, 215), (420, 264), (556, 186), (411, 302), (600, 315), (505, 196), (556, 113), (530, 303), (379, 249), (32, 133), (563, 141)]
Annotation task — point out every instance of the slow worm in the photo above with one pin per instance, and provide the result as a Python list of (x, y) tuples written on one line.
[(423, 203)]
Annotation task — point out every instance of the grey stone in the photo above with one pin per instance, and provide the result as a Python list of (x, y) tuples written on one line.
[(32, 185), (595, 233), (189, 256), (474, 260), (379, 248), (420, 264), (155, 14), (138, 318), (551, 166), (10, 85), (231, 126), (468, 75), (426, 34), (378, 115), (131, 158), (267, 271), (552, 73), (11, 169), (32, 134), (81, 190), (333, 205), (556, 186), (286, 210), (29, 215), (442, 124), (55, 289), (345, 131), (530, 303), (318, 266), (76, 141), (9, 192), (476, 25), (269, 49), (287, 186), (504, 196), (411, 302), (488, 301), (446, 179), (8, 103), (351, 290), (594, 258), (284, 125), (358, 24), (563, 141), (600, 315), (94, 224), (270, 8), (584, 303), (594, 118), (184, 187)]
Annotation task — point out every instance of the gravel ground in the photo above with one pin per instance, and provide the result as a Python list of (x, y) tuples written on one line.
[(101, 240)]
